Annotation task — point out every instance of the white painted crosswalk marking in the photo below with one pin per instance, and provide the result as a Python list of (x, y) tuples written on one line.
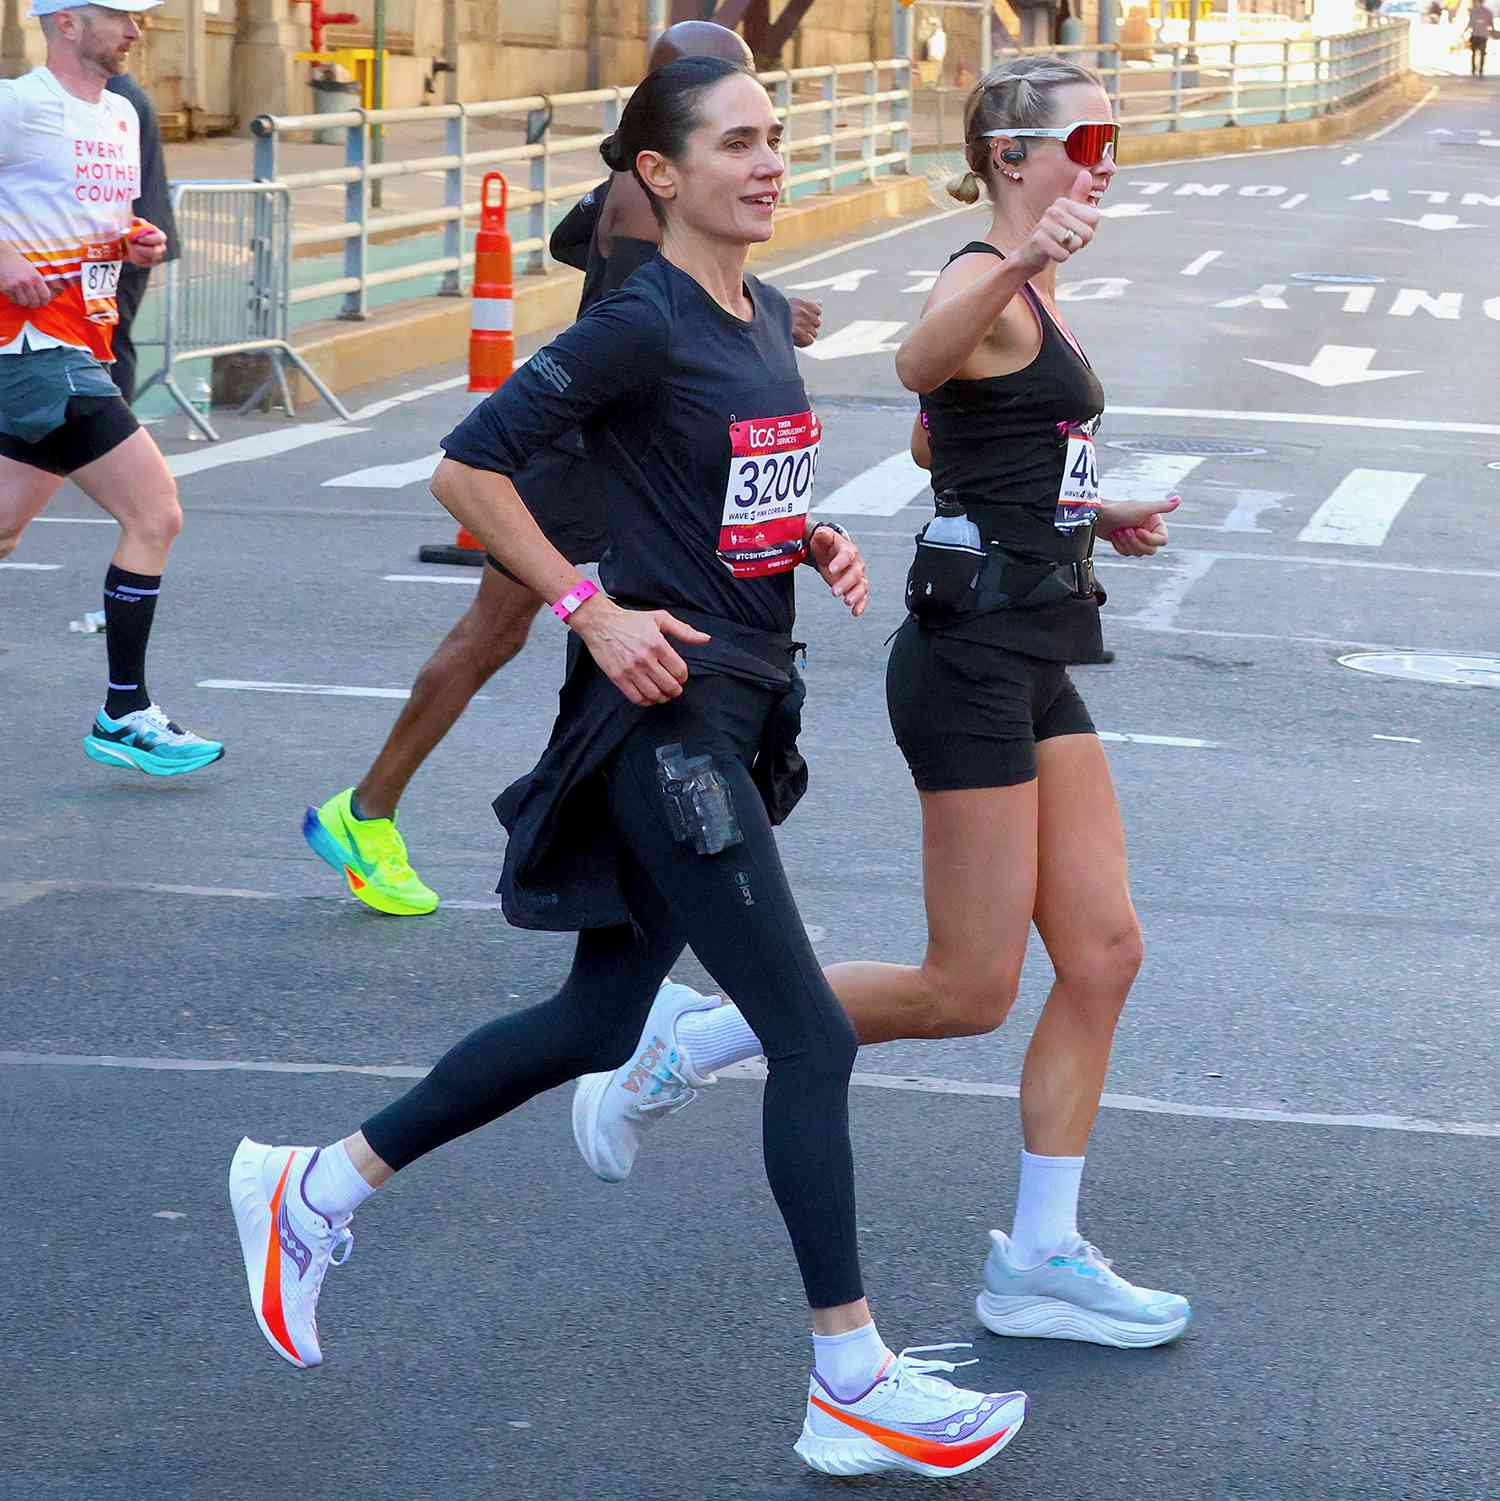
[(1362, 510), (33, 567), (388, 476), (863, 336), (888, 487), (1147, 476)]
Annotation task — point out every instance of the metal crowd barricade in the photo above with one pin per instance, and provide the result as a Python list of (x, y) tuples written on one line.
[(228, 292)]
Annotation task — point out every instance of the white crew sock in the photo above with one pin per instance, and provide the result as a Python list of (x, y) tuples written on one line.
[(848, 1363), (335, 1186), (716, 1038), (1046, 1207)]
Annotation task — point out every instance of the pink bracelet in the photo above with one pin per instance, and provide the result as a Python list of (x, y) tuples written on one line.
[(583, 590)]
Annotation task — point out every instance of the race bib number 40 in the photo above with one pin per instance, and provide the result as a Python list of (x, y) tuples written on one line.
[(101, 283), (1078, 495), (772, 461)]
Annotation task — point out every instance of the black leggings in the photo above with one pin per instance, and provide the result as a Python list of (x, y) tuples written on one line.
[(737, 912)]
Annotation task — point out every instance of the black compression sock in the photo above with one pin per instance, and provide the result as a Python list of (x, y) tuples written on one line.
[(129, 606)]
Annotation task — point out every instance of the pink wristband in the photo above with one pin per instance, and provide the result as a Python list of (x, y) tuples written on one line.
[(584, 589)]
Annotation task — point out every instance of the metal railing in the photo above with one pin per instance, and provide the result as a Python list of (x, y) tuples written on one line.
[(1221, 83), (227, 294), (841, 124)]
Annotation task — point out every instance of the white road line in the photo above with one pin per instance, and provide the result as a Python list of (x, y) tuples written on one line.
[(755, 1072), (388, 476), (1147, 476), (1309, 419), (1161, 613), (430, 578), (269, 444), (1362, 510), (1350, 160), (1169, 740), (259, 446), (33, 567), (74, 520), (1295, 201), (1194, 267), (882, 490), (1397, 739), (1401, 120), (333, 690)]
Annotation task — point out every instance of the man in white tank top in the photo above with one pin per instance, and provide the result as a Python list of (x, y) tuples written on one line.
[(70, 169)]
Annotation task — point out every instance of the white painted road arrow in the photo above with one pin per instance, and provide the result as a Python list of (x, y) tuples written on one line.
[(1435, 221), (1336, 365), (1130, 211), (863, 336)]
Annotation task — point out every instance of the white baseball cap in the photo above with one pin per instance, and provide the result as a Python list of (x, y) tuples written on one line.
[(51, 7)]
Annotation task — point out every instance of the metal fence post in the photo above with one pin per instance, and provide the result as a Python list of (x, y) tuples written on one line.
[(872, 84), (1234, 82), (455, 143), (901, 114), (536, 217), (1115, 81), (1176, 87), (265, 156), (830, 114), (357, 211), (1286, 79)]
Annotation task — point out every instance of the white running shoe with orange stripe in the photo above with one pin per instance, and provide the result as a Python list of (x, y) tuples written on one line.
[(909, 1419), (288, 1244)]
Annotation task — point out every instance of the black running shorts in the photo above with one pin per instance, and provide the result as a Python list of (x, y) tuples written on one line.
[(91, 427), (565, 496), (968, 715)]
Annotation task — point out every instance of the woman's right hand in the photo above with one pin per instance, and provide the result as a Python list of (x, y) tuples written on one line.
[(1074, 212), (632, 649)]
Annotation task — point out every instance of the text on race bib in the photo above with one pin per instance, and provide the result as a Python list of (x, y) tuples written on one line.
[(772, 463), (1080, 477), (101, 282)]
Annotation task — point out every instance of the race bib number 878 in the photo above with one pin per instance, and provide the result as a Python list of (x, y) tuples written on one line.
[(100, 279), (772, 463)]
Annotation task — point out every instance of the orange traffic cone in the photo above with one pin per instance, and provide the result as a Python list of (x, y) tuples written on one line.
[(492, 340)]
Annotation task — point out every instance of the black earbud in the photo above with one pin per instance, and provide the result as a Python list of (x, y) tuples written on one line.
[(1013, 155)]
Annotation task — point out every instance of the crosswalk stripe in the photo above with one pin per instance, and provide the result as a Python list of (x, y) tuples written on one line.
[(33, 567), (887, 487), (1362, 510), (388, 476), (1147, 476)]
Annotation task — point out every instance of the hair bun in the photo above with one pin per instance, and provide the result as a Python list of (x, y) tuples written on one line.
[(964, 186), (613, 153)]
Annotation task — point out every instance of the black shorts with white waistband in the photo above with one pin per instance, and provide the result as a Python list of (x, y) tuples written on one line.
[(968, 715)]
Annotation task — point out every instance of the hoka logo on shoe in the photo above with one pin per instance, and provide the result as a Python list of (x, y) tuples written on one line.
[(643, 1070), (292, 1243)]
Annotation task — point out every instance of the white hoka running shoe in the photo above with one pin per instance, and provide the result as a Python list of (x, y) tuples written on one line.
[(612, 1111), (288, 1244), (1075, 1295), (909, 1419)]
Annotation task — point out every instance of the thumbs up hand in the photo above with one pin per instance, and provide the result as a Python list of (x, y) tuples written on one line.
[(1066, 227)]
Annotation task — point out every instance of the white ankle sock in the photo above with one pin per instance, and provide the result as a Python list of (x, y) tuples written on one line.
[(335, 1186), (716, 1038), (1046, 1207), (848, 1362)]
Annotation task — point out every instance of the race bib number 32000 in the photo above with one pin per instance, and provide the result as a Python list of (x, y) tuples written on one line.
[(772, 461)]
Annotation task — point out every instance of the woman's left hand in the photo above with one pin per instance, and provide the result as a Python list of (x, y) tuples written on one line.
[(1136, 528), (842, 565)]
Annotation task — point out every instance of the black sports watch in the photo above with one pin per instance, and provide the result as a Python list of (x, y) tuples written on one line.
[(818, 526)]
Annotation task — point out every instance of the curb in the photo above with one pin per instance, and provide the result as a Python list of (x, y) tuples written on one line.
[(415, 335)]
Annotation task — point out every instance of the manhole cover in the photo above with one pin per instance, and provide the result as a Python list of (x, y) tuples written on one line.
[(1208, 448), (1428, 667), (1338, 278)]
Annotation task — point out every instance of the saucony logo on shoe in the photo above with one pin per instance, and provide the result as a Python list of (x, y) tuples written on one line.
[(292, 1243)]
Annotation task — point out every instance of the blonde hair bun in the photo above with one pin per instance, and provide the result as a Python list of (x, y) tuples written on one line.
[(964, 186)]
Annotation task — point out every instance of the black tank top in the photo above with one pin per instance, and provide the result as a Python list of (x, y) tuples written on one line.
[(996, 439)]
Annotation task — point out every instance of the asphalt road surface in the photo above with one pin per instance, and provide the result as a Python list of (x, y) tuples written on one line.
[(1304, 1113)]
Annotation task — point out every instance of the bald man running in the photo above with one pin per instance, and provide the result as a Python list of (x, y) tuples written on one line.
[(608, 236)]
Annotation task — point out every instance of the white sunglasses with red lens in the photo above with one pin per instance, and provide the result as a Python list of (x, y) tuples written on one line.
[(1087, 142)]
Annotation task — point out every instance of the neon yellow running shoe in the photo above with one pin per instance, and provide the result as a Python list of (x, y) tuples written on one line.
[(370, 855)]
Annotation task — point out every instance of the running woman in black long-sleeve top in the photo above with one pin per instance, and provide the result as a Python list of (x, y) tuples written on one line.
[(647, 823)]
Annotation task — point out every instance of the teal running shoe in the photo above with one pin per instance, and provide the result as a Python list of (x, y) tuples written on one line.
[(148, 741), (1075, 1295)]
